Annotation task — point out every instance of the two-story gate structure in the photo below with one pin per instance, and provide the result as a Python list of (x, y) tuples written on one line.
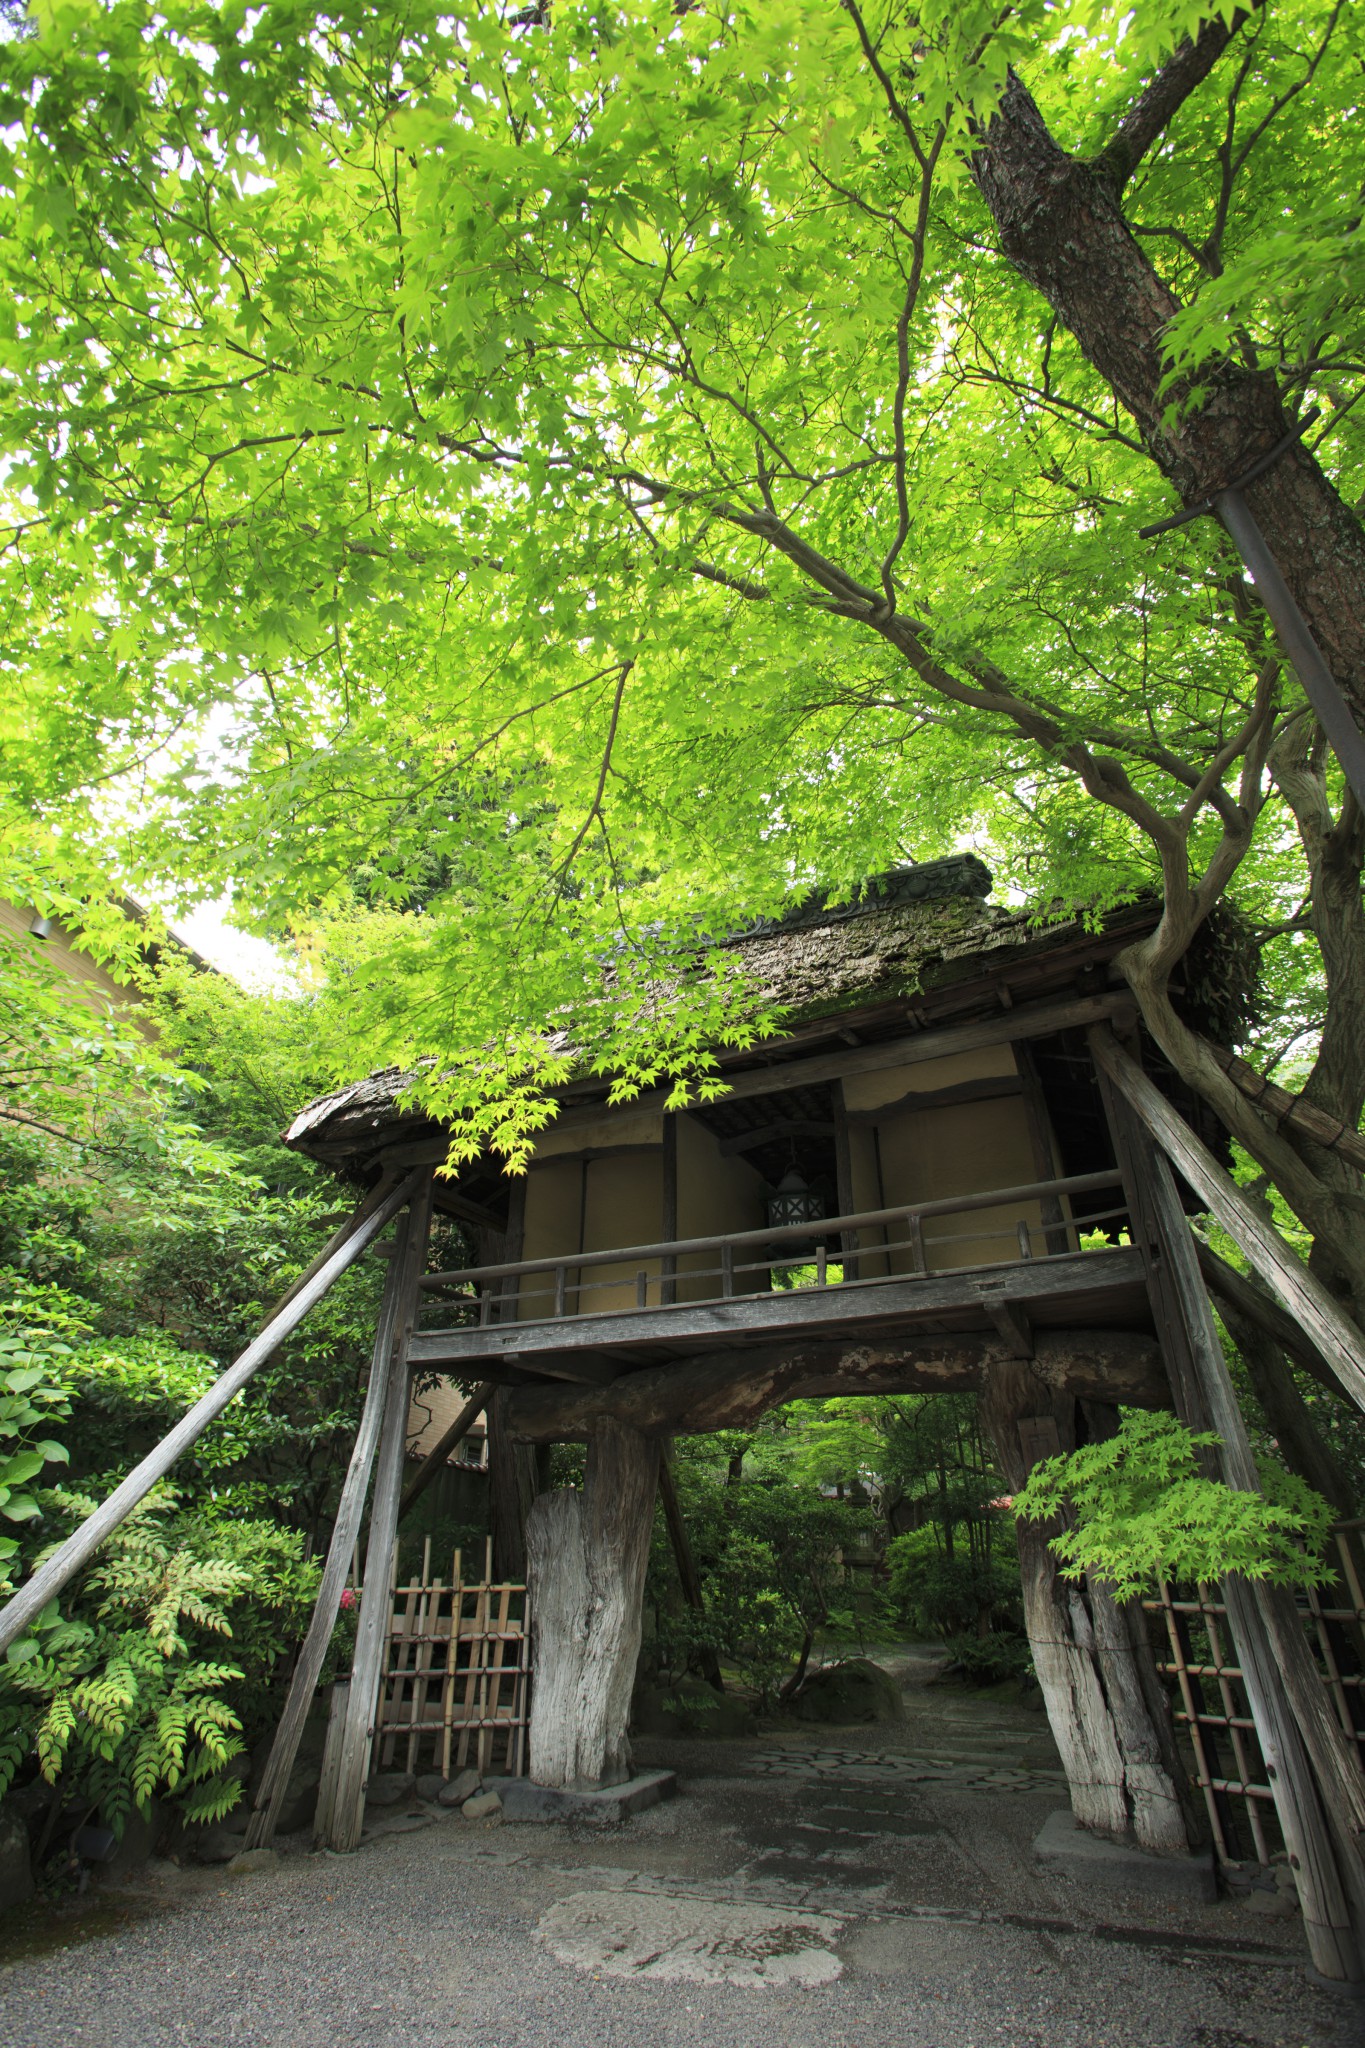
[(953, 1170)]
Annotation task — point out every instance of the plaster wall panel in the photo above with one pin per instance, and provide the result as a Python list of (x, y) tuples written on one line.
[(715, 1194), (623, 1205), (615, 1127), (553, 1228), (928, 1155)]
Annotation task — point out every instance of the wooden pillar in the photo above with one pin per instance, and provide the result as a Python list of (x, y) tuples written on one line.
[(587, 1557), (512, 1486), (376, 1603), (1318, 1787), (668, 1265), (843, 1180), (345, 1530), (1093, 1661), (1055, 1234)]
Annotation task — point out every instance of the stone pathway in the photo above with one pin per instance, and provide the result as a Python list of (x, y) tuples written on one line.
[(902, 1768)]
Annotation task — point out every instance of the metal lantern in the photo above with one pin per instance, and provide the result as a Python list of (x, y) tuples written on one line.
[(793, 1201)]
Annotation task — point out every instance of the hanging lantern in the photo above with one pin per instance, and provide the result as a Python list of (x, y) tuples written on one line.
[(793, 1201)]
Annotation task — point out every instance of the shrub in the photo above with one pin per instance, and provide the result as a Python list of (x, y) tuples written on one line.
[(124, 1697), (989, 1659), (947, 1596)]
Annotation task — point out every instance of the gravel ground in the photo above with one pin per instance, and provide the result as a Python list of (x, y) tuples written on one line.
[(428, 1938), (946, 1933)]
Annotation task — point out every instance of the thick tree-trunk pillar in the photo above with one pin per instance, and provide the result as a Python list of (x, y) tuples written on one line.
[(1092, 1657), (586, 1555)]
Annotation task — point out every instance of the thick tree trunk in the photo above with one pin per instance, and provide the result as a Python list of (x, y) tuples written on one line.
[(1093, 1660), (587, 1558), (1061, 225)]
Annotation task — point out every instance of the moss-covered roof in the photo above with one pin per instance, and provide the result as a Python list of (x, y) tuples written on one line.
[(915, 937)]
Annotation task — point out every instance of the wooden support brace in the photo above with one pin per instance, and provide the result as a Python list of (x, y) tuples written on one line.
[(372, 1628), (1339, 1341), (28, 1603), (1319, 1790), (345, 1530), (1291, 1110)]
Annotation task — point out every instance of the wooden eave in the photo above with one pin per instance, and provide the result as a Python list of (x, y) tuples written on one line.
[(366, 1128)]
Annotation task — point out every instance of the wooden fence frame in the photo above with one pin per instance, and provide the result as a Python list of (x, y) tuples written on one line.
[(481, 1692), (1227, 1719)]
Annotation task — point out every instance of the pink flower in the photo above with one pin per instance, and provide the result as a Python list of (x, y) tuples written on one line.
[(348, 1598)]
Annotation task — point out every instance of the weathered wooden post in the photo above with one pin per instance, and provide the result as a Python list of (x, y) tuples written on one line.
[(376, 1602), (1318, 1787), (345, 1530), (1098, 1677), (586, 1559)]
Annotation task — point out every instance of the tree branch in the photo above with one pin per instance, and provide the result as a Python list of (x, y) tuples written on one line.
[(1155, 109)]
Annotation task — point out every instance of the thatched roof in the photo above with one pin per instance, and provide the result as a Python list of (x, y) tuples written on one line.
[(917, 946)]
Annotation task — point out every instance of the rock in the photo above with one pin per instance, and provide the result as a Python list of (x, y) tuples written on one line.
[(522, 1799), (691, 1707), (1274, 1893), (253, 1859), (482, 1806), (460, 1788), (141, 1833), (857, 1690), (216, 1845), (387, 1788), (430, 1785), (16, 1875), (300, 1798)]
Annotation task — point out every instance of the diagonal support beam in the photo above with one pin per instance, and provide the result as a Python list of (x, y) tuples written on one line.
[(1335, 1336), (28, 1603), (345, 1530), (376, 1599)]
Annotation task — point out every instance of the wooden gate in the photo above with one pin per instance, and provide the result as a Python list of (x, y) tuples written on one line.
[(455, 1685), (1212, 1704)]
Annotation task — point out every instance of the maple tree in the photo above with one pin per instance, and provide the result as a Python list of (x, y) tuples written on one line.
[(593, 470)]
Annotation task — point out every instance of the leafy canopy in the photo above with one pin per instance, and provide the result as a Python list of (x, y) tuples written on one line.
[(602, 461)]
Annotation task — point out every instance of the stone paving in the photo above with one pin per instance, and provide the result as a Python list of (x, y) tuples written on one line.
[(905, 1768)]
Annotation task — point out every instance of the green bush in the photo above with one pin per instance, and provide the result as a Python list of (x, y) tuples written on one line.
[(989, 1659), (938, 1595), (1142, 1510), (130, 1692)]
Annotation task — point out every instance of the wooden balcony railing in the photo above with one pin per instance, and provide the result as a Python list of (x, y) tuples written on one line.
[(502, 1293)]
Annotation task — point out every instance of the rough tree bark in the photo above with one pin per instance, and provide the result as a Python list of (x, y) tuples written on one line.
[(1061, 224), (587, 1558), (732, 1389), (1092, 1656)]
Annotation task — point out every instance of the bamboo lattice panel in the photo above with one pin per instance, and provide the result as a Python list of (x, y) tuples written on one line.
[(1212, 1705), (455, 1688)]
